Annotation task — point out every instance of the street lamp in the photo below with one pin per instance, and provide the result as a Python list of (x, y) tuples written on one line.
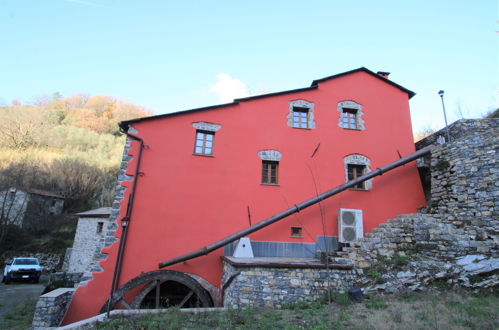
[(441, 93)]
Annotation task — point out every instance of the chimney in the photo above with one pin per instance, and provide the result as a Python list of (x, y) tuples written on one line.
[(383, 74)]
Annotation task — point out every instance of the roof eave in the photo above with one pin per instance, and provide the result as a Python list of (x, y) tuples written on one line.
[(363, 69)]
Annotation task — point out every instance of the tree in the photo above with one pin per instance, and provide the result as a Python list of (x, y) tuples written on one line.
[(23, 127), (12, 209)]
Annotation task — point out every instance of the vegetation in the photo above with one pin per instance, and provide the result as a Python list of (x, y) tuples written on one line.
[(20, 317), (423, 310), (67, 146)]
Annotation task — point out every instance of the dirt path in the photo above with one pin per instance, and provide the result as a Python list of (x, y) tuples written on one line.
[(15, 293)]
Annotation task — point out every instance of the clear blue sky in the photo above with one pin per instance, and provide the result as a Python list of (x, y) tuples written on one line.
[(175, 55)]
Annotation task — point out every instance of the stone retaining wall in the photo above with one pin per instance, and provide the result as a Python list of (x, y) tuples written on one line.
[(461, 217), (273, 287), (51, 307)]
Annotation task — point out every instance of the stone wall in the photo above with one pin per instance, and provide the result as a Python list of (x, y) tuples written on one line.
[(88, 241), (461, 217), (272, 287), (50, 262), (51, 307)]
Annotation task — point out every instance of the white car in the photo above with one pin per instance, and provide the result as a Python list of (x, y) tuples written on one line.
[(22, 269)]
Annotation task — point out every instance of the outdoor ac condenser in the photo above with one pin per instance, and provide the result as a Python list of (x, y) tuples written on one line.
[(350, 226)]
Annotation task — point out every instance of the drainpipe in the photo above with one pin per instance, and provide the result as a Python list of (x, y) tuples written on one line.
[(125, 221), (297, 208)]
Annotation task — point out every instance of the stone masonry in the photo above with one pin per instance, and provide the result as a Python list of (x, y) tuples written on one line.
[(51, 307), (111, 226), (461, 217), (272, 287), (455, 238), (89, 240)]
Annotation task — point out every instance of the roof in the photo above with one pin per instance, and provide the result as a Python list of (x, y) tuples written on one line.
[(102, 212), (125, 124), (38, 192), (43, 193)]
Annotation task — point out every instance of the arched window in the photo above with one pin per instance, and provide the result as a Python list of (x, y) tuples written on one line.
[(301, 114), (356, 166), (350, 115)]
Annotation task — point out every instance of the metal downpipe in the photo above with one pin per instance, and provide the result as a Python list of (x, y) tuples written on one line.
[(125, 221)]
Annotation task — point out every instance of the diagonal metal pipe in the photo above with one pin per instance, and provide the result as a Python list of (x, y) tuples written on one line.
[(297, 208)]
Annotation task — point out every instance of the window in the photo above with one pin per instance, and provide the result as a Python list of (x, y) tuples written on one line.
[(356, 166), (300, 117), (296, 232), (354, 172), (100, 226), (270, 171), (301, 114), (349, 118), (270, 166), (205, 134), (204, 143), (350, 115)]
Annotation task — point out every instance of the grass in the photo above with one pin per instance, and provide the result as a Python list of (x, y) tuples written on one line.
[(20, 317), (410, 310)]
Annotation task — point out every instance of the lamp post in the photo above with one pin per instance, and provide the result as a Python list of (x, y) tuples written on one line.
[(441, 93)]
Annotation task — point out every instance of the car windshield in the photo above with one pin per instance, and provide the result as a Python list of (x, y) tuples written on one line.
[(26, 261)]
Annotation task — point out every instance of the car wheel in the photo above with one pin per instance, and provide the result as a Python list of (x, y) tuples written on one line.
[(6, 279), (36, 280)]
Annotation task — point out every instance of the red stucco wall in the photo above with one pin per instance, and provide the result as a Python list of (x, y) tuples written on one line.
[(185, 202)]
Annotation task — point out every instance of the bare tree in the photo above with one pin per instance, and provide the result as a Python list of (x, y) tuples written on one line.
[(12, 208)]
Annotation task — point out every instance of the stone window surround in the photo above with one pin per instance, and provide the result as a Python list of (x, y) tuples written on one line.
[(351, 105), (358, 159), (270, 156), (302, 104), (206, 128)]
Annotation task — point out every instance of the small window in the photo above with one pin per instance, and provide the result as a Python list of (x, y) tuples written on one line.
[(270, 171), (354, 172), (350, 115), (300, 117), (204, 143), (301, 114), (349, 118), (296, 232), (100, 226)]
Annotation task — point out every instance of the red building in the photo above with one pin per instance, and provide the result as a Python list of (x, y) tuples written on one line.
[(209, 172)]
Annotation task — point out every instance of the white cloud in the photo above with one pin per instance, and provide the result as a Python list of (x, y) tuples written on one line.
[(228, 88)]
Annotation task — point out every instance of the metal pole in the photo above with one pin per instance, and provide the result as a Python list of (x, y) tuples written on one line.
[(441, 93)]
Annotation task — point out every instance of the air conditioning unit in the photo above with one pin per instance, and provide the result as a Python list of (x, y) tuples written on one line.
[(350, 225)]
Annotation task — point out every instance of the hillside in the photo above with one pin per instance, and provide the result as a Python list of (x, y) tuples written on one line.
[(67, 146)]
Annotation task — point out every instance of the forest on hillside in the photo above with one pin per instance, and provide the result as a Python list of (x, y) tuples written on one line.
[(69, 146)]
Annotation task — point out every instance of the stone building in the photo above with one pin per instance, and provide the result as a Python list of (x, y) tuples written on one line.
[(89, 240), (25, 207)]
